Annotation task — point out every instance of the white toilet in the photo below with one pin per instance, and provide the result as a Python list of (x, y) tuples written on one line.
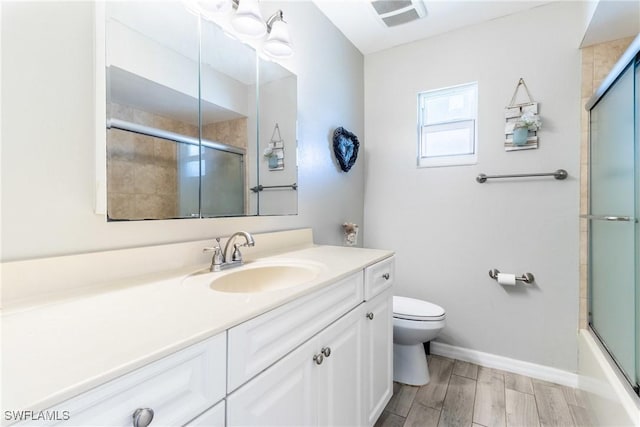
[(414, 323)]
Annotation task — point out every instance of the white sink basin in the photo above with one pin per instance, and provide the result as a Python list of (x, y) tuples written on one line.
[(255, 278)]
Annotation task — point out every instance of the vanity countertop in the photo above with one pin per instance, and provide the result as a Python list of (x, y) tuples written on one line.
[(55, 350)]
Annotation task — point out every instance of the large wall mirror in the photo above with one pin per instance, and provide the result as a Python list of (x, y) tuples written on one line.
[(198, 125)]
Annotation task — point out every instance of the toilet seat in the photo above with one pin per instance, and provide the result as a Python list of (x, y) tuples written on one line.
[(417, 310)]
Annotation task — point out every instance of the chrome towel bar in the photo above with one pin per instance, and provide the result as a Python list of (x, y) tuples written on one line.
[(559, 174), (609, 218), (259, 188)]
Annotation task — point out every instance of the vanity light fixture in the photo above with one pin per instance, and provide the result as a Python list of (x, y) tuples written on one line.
[(247, 21), (278, 44)]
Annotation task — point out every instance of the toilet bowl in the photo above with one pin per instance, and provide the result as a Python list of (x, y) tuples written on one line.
[(414, 323)]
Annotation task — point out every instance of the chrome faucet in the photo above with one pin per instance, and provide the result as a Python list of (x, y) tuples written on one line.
[(219, 260)]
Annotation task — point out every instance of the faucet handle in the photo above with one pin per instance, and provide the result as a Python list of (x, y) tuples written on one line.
[(237, 256), (218, 258)]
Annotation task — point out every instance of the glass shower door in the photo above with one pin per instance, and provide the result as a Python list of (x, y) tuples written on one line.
[(612, 223)]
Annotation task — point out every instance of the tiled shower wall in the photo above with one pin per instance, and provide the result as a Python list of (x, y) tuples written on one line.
[(143, 171), (597, 61)]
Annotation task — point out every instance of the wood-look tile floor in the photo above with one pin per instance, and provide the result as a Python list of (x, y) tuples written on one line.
[(464, 394)]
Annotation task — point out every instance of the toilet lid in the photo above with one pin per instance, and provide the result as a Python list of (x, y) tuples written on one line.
[(415, 309)]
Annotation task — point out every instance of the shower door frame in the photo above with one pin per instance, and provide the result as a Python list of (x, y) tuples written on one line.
[(631, 58)]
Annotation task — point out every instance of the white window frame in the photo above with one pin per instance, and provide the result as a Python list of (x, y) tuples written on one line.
[(457, 123)]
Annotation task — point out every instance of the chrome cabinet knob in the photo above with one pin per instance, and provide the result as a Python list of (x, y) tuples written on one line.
[(370, 315), (386, 276), (318, 358), (142, 417), (326, 351)]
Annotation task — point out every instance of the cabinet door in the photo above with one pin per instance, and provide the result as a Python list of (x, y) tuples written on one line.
[(214, 417), (340, 376), (283, 395), (378, 355)]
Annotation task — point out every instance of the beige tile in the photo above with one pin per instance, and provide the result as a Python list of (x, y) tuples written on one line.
[(584, 313), (584, 147), (521, 409), (458, 404), (583, 280), (402, 400), (144, 148), (120, 206), (152, 206), (422, 416), (584, 248), (120, 144), (122, 112), (433, 394), (120, 176), (587, 74), (518, 383), (465, 369), (145, 178)]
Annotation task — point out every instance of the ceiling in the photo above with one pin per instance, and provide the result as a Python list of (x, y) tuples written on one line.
[(359, 23)]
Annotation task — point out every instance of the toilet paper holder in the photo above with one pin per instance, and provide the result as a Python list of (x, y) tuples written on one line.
[(526, 277)]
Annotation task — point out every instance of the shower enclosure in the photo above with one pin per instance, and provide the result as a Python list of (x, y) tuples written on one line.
[(614, 239)]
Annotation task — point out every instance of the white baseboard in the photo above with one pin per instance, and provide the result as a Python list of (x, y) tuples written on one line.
[(489, 360)]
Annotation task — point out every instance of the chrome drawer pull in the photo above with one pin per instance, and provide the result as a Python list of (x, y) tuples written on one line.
[(370, 315), (142, 417), (326, 351), (318, 358), (386, 276)]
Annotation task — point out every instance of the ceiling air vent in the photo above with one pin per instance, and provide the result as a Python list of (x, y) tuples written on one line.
[(397, 12)]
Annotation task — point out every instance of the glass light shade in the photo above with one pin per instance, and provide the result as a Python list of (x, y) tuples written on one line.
[(211, 7), (278, 45), (248, 20)]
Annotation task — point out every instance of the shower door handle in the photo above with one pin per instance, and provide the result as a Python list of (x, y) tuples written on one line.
[(609, 218)]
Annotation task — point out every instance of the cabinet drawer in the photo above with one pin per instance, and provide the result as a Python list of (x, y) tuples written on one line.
[(260, 342), (379, 277), (177, 387)]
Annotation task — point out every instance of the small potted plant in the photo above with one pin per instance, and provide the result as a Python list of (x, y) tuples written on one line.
[(528, 121)]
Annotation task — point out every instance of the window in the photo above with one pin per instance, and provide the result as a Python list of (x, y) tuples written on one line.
[(447, 130)]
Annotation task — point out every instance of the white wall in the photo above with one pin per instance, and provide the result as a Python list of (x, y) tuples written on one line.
[(447, 229), (48, 136)]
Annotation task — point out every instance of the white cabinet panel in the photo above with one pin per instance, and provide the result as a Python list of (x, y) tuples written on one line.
[(214, 417), (283, 395), (379, 277), (378, 355), (175, 388), (340, 377), (258, 343)]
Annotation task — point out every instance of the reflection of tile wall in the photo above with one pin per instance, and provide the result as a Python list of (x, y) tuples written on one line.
[(142, 171), (597, 61), (230, 132)]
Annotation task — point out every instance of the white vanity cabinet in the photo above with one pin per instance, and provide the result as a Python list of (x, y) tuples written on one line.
[(323, 359), (316, 384), (340, 376)]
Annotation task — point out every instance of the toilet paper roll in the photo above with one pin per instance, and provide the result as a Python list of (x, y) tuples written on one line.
[(507, 279)]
